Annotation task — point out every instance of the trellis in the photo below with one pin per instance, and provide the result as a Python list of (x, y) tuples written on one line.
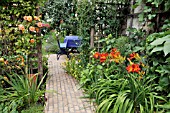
[(124, 10), (121, 10)]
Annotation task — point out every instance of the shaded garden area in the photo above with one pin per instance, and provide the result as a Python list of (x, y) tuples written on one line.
[(124, 59)]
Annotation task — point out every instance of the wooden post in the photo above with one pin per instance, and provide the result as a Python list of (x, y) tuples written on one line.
[(40, 62), (131, 12), (92, 37)]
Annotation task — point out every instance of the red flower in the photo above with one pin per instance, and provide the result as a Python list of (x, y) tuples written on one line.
[(136, 68), (115, 54), (96, 55), (129, 68), (132, 56), (32, 77), (114, 50), (103, 57), (133, 68)]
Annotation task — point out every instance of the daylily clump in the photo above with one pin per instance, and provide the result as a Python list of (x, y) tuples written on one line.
[(133, 68), (115, 56), (136, 65), (101, 56)]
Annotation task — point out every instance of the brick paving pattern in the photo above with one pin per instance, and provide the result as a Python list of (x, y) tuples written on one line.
[(65, 95)]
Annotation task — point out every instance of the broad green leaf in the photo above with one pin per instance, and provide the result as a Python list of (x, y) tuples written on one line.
[(158, 41), (141, 17), (166, 47), (157, 49)]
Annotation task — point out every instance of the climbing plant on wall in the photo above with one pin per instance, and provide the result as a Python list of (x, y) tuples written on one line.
[(20, 36), (17, 19)]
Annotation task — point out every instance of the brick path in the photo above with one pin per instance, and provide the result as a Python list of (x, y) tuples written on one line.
[(68, 97)]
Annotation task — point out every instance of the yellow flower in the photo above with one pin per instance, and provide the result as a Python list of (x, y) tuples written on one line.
[(36, 18), (130, 61), (5, 78), (137, 56)]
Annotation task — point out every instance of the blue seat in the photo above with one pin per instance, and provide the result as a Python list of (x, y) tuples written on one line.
[(70, 45), (62, 49)]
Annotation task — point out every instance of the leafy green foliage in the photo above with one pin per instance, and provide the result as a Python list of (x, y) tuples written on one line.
[(165, 41), (17, 91), (61, 15), (24, 90), (125, 95)]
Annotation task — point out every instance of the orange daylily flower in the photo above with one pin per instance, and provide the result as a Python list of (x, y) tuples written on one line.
[(114, 50), (129, 68), (133, 68), (136, 68), (134, 55), (103, 57), (96, 55), (31, 28), (115, 54), (32, 76)]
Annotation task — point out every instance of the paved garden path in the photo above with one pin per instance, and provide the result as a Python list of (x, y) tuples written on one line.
[(68, 96)]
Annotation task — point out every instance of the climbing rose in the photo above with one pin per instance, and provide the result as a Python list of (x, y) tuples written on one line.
[(25, 17), (37, 29), (29, 18), (21, 27), (32, 41), (31, 28), (39, 24)]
